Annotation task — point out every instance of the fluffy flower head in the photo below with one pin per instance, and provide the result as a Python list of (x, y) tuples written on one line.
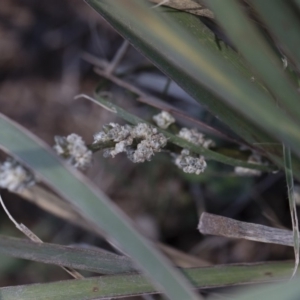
[(14, 177), (163, 119), (74, 150)]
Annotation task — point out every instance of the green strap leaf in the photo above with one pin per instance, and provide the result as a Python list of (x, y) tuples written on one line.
[(135, 284), (261, 57), (93, 205), (284, 24), (94, 260)]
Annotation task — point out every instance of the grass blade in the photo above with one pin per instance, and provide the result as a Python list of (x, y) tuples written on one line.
[(286, 36), (93, 205), (286, 291), (78, 258), (126, 285), (261, 57)]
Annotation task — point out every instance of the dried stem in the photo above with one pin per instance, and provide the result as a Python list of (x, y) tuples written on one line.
[(117, 58), (222, 226)]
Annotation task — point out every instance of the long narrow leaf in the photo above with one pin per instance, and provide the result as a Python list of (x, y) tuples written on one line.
[(287, 291), (93, 205), (74, 257), (125, 285), (283, 24), (261, 57)]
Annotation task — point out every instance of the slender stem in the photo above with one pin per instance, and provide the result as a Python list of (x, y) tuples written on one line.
[(118, 57), (293, 210)]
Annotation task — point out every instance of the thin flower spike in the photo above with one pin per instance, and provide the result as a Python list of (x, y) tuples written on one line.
[(74, 150), (14, 177), (139, 142), (163, 119)]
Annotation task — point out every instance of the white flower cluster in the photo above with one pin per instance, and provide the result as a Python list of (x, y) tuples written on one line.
[(195, 137), (163, 119), (190, 164), (74, 150), (241, 171), (139, 142), (186, 161), (14, 176)]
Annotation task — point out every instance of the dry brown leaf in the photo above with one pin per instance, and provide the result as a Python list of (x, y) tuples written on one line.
[(222, 226)]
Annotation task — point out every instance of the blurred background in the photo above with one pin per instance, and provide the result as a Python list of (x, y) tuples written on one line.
[(48, 51)]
